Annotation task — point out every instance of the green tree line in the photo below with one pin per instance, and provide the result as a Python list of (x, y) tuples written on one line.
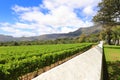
[(109, 17)]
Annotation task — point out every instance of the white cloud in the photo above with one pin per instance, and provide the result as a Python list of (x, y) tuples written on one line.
[(51, 4), (60, 17), (17, 8), (89, 10), (16, 31)]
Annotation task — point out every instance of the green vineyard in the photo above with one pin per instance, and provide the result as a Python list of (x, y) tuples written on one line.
[(16, 61)]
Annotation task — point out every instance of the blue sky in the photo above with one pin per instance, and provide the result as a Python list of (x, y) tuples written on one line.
[(6, 13), (37, 17)]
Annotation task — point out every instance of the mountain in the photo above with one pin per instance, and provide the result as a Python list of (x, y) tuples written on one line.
[(87, 31), (5, 38)]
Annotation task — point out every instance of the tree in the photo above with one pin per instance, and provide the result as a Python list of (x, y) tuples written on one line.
[(108, 15), (116, 35), (82, 38), (102, 35)]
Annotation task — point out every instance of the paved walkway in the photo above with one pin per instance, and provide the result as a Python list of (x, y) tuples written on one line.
[(86, 66)]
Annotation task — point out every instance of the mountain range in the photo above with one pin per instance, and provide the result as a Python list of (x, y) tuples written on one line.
[(87, 31)]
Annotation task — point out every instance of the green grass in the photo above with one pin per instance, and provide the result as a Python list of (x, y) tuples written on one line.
[(112, 54)]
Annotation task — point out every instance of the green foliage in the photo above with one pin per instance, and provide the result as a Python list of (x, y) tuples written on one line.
[(109, 12), (116, 35), (19, 60), (108, 15), (39, 42), (114, 68), (82, 38), (113, 34), (92, 38), (112, 54)]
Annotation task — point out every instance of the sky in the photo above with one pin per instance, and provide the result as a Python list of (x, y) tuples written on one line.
[(26, 18)]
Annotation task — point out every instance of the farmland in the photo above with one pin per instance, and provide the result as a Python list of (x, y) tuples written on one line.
[(16, 61), (112, 54)]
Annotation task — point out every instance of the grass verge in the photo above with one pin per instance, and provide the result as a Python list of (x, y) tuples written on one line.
[(112, 54)]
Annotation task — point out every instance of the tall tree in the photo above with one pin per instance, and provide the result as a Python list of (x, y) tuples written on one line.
[(108, 15), (116, 35)]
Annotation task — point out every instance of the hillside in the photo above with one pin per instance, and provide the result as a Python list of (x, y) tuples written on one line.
[(87, 31)]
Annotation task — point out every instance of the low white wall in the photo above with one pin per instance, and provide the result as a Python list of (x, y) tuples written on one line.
[(86, 66)]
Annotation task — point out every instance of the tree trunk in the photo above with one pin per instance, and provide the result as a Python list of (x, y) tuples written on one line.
[(108, 34), (116, 42), (119, 41), (109, 39)]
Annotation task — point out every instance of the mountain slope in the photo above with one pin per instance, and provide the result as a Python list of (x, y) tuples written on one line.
[(5, 38), (87, 31)]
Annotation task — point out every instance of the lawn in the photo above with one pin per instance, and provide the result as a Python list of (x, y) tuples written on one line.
[(112, 54)]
